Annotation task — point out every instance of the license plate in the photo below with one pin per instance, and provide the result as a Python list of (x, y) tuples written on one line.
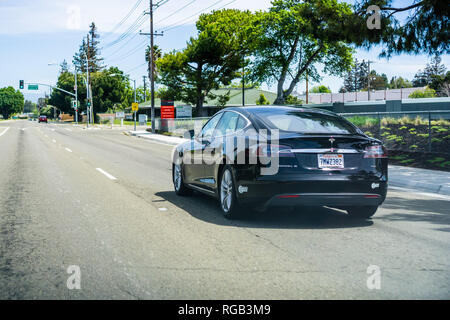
[(331, 161)]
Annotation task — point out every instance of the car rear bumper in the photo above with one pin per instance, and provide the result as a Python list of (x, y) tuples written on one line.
[(326, 199), (319, 191)]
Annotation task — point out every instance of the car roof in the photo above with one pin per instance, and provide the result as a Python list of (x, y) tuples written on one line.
[(258, 109)]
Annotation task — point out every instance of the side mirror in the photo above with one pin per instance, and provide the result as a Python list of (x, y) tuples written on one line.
[(189, 134)]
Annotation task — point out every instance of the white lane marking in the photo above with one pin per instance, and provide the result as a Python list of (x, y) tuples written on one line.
[(54, 141), (68, 150), (53, 129), (106, 174), (4, 131), (23, 129), (162, 209), (68, 129), (428, 194)]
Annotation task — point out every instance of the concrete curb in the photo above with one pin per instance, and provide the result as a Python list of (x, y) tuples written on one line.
[(173, 141), (443, 189)]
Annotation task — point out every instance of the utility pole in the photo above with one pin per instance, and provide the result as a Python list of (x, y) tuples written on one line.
[(368, 79), (87, 83), (307, 88), (145, 88), (135, 102), (76, 95), (151, 60), (243, 84)]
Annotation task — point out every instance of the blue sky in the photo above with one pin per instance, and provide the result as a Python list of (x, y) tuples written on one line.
[(34, 33)]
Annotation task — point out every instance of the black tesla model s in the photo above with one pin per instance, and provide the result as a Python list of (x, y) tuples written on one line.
[(282, 156)]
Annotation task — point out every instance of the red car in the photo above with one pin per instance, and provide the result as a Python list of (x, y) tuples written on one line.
[(42, 119)]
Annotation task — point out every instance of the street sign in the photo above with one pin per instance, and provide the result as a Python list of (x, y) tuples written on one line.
[(134, 106), (142, 119), (167, 109), (33, 87), (120, 114), (184, 111)]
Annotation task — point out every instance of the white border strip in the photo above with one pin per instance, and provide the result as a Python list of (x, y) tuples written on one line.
[(106, 174), (4, 131)]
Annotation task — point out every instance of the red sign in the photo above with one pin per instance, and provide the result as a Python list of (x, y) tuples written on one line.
[(167, 112)]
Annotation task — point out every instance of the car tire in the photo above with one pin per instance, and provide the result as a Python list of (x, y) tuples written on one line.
[(178, 184), (227, 195), (362, 212)]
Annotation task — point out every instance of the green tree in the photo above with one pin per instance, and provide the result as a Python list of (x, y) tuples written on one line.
[(293, 37), (29, 106), (63, 101), (89, 50), (412, 27), (356, 77), (377, 81), (107, 90), (262, 100), (293, 101), (320, 89), (399, 82), (110, 87), (211, 60), (157, 54), (11, 102), (433, 69), (425, 93), (441, 83)]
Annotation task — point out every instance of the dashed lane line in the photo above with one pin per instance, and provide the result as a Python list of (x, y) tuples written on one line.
[(106, 174)]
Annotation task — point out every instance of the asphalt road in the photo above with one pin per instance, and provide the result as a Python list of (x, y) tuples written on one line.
[(104, 202)]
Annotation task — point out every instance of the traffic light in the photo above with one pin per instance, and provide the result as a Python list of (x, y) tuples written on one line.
[(21, 85)]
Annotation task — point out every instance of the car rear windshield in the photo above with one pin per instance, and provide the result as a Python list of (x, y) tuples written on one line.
[(307, 122)]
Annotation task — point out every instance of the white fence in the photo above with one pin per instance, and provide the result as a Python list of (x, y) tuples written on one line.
[(388, 94)]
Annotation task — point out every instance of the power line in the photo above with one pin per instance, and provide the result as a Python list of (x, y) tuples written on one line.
[(137, 23), (131, 52), (137, 67), (176, 11), (124, 19), (176, 25)]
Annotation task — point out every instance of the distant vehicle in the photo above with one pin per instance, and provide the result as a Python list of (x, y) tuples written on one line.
[(324, 160), (42, 119)]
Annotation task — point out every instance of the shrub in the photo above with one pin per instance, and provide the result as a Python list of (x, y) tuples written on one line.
[(426, 93)]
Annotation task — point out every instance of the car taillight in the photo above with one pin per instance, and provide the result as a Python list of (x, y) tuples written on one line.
[(377, 151), (269, 149)]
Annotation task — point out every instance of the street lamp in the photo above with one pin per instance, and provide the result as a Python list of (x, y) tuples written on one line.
[(127, 77), (75, 87)]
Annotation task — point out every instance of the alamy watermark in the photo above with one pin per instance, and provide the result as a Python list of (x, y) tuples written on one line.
[(74, 280), (374, 280), (250, 147), (374, 20)]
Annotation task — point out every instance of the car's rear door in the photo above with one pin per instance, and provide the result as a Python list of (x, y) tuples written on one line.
[(193, 157), (213, 152)]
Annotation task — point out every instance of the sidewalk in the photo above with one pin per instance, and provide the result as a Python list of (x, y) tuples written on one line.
[(406, 177), (420, 179)]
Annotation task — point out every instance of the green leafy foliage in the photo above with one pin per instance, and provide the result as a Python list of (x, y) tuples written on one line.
[(11, 101), (406, 27), (425, 93), (294, 36), (211, 60), (262, 100), (107, 91), (320, 89)]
